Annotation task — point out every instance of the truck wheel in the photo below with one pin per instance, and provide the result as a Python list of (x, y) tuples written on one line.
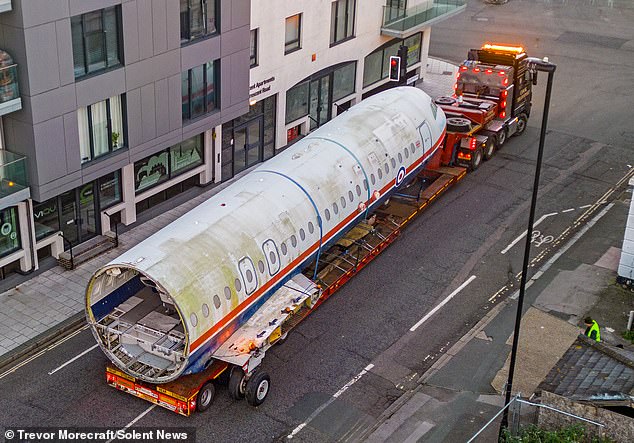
[(237, 383), (205, 397), (258, 388), (500, 138), (444, 100), (458, 124), (489, 149), (476, 159), (521, 124)]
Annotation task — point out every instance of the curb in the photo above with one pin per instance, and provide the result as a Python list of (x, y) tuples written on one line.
[(42, 341)]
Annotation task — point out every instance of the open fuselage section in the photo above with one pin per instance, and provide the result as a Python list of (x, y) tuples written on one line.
[(164, 307)]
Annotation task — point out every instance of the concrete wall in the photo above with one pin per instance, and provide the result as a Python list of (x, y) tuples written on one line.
[(617, 426), (626, 265), (38, 35)]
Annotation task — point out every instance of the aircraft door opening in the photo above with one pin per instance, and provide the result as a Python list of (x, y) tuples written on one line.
[(272, 256), (249, 276), (425, 135)]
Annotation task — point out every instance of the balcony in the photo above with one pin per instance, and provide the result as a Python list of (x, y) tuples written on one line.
[(402, 21), (5, 5), (14, 186)]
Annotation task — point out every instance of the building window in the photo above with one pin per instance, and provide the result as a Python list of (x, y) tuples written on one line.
[(376, 65), (341, 21), (9, 231), (96, 41), (46, 217), (200, 95), (167, 164), (101, 128), (293, 33), (109, 189), (254, 47), (199, 18)]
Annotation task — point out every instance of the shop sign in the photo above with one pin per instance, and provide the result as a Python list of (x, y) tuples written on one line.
[(261, 87)]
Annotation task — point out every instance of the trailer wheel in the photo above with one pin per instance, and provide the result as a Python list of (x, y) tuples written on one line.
[(237, 383), (501, 138), (489, 149), (445, 100), (205, 397), (458, 124), (258, 388), (521, 124), (476, 159)]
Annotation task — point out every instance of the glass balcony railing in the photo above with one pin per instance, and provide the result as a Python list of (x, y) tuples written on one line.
[(400, 20), (13, 174)]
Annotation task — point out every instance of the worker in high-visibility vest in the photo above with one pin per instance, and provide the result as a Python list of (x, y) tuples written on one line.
[(592, 329)]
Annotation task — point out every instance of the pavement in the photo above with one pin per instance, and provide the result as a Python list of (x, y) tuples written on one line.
[(460, 393)]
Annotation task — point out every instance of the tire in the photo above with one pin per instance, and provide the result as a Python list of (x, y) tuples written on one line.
[(237, 383), (205, 397), (500, 138), (458, 124), (521, 124), (445, 100), (489, 149), (258, 388), (476, 159)]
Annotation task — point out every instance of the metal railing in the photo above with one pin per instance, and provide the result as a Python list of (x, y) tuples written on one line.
[(9, 89), (70, 250), (401, 19)]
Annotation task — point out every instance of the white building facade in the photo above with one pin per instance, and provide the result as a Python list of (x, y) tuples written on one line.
[(313, 59)]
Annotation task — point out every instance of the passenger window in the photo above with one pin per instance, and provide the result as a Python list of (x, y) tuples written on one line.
[(412, 148), (351, 196), (327, 214), (380, 174), (261, 266), (238, 285), (272, 257), (359, 190), (206, 307), (311, 227), (400, 157), (372, 179), (193, 319), (343, 202), (365, 184), (227, 293), (217, 302), (302, 234), (393, 161), (386, 167), (284, 248), (247, 271), (293, 240), (406, 153), (335, 208)]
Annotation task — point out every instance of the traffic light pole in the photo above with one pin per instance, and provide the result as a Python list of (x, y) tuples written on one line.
[(402, 53)]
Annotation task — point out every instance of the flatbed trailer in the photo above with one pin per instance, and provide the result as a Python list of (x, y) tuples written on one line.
[(351, 253)]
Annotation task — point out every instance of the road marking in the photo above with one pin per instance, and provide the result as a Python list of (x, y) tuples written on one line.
[(48, 348), (584, 206), (442, 303), (330, 400), (73, 359), (523, 234), (139, 417), (568, 210)]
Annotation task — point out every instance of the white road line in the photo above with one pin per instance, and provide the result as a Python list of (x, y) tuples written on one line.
[(330, 400), (73, 359), (139, 417), (568, 210), (442, 303), (521, 236), (584, 206)]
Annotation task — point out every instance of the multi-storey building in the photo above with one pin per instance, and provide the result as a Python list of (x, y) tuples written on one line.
[(119, 107), (111, 107), (312, 59)]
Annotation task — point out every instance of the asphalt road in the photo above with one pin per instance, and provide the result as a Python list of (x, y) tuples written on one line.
[(589, 147)]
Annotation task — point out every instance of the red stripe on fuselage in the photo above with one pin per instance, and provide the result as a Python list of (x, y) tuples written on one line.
[(248, 301)]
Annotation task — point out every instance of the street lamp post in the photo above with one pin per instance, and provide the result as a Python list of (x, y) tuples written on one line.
[(544, 66)]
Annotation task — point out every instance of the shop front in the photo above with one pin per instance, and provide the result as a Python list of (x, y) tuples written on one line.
[(249, 139), (75, 213)]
